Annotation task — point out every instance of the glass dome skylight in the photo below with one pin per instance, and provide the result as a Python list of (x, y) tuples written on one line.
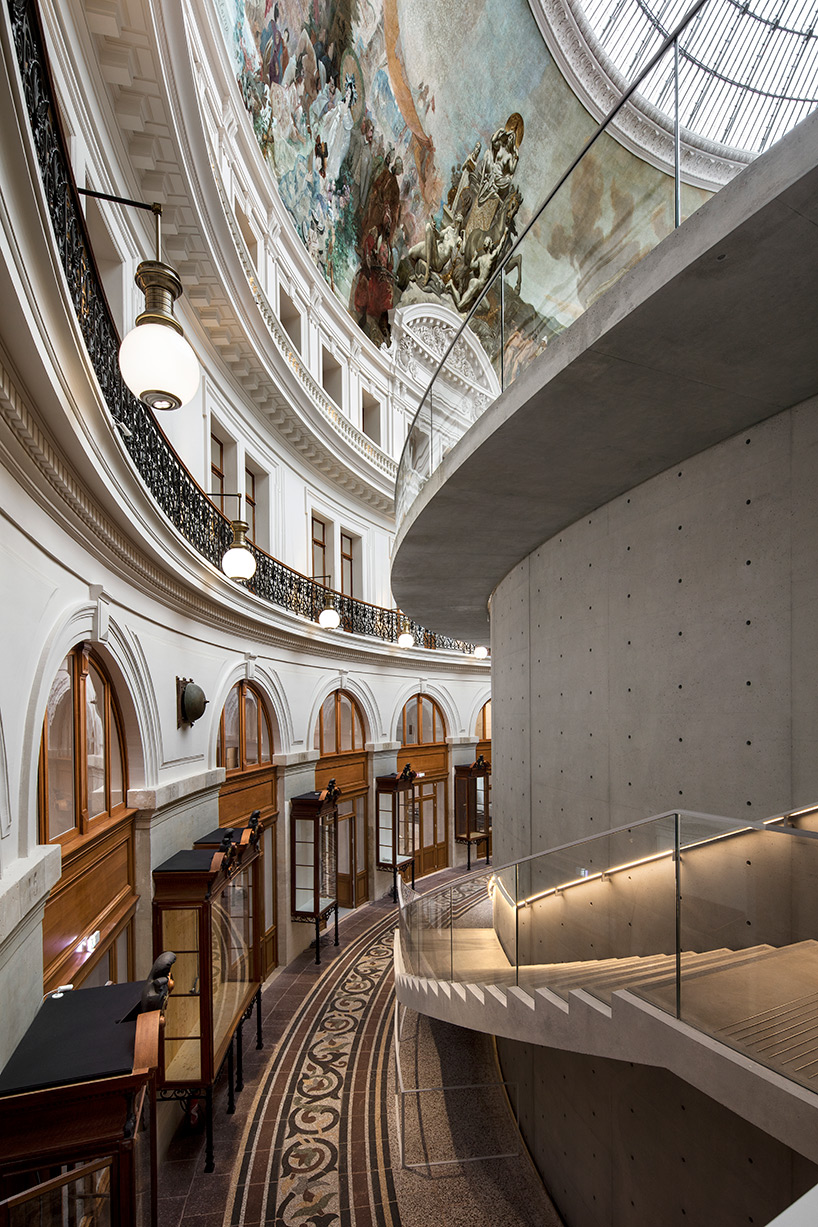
[(748, 71)]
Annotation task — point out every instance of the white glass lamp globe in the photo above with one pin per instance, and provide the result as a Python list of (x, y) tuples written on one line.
[(406, 639), (239, 561), (329, 618), (159, 366), (480, 652)]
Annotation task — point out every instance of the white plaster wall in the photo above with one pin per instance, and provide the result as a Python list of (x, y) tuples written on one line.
[(661, 652)]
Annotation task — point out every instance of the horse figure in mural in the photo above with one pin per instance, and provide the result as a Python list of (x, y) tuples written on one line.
[(496, 240)]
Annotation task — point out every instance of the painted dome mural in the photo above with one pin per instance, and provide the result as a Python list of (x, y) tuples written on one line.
[(412, 139)]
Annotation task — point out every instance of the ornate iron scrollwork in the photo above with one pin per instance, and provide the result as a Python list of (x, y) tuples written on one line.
[(180, 499)]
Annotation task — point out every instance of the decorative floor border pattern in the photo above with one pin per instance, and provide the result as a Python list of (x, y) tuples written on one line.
[(315, 1151)]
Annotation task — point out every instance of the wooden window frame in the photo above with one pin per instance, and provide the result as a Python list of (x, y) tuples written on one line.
[(321, 544), (217, 471), (357, 719), (437, 719), (81, 656), (480, 729), (250, 502), (263, 716), (347, 565)]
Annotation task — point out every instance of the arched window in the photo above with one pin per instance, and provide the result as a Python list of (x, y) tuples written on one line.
[(83, 789), (421, 723), (340, 738), (245, 746), (83, 769), (244, 740), (339, 728), (482, 728)]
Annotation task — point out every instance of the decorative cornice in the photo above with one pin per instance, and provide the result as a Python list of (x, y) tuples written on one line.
[(639, 126), (91, 527)]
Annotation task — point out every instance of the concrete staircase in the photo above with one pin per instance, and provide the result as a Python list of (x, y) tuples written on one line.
[(748, 1038)]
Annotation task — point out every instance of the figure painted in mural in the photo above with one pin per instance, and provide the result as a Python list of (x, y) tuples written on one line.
[(384, 200), (360, 159), (373, 291), (438, 249), (497, 240), (336, 130), (467, 180), (477, 277)]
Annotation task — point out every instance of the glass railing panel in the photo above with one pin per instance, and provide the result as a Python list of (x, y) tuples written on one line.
[(748, 921), (594, 913), (476, 951), (432, 935), (609, 212)]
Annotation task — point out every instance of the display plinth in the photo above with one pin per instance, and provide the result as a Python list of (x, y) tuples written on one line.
[(397, 821), (472, 806), (204, 910), (314, 853)]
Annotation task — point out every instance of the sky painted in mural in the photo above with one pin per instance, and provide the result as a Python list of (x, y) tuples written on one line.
[(411, 140)]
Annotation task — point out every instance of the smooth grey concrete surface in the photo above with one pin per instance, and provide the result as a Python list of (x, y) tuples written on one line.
[(715, 330), (662, 652), (624, 1145)]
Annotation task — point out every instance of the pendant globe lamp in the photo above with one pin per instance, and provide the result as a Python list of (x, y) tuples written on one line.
[(155, 360), (405, 639), (239, 561), (329, 617)]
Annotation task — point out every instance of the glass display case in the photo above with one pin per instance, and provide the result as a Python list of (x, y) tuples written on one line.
[(397, 821), (314, 850), (204, 910), (472, 807), (77, 1112)]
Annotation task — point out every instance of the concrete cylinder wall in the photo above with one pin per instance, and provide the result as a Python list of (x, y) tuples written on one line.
[(661, 652)]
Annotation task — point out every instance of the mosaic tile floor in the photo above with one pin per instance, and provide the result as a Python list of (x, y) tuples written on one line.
[(314, 1139)]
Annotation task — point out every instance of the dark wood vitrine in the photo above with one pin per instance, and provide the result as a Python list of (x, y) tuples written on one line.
[(397, 824), (205, 909), (77, 1128), (314, 856), (472, 807)]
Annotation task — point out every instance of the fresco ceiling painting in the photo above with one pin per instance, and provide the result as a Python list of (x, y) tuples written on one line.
[(412, 139)]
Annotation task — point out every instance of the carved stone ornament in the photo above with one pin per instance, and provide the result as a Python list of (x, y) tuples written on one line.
[(639, 126)]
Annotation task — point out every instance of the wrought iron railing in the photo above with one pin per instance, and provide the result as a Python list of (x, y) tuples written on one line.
[(177, 494)]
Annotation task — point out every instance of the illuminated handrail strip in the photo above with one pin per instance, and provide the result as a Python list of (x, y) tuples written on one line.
[(741, 827)]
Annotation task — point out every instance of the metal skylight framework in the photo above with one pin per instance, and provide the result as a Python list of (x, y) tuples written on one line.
[(748, 71)]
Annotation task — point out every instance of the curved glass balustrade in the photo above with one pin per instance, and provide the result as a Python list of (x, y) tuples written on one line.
[(706, 918), (605, 212)]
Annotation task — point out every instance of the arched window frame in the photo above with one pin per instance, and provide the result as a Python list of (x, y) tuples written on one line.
[(243, 688), (80, 660), (482, 727), (335, 702), (438, 729)]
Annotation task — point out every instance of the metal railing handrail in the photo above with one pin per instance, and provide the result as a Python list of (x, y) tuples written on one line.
[(498, 274), (179, 497)]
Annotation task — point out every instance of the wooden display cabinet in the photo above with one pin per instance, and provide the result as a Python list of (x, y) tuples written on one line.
[(395, 807), (204, 909), (77, 1130), (472, 806), (314, 851)]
